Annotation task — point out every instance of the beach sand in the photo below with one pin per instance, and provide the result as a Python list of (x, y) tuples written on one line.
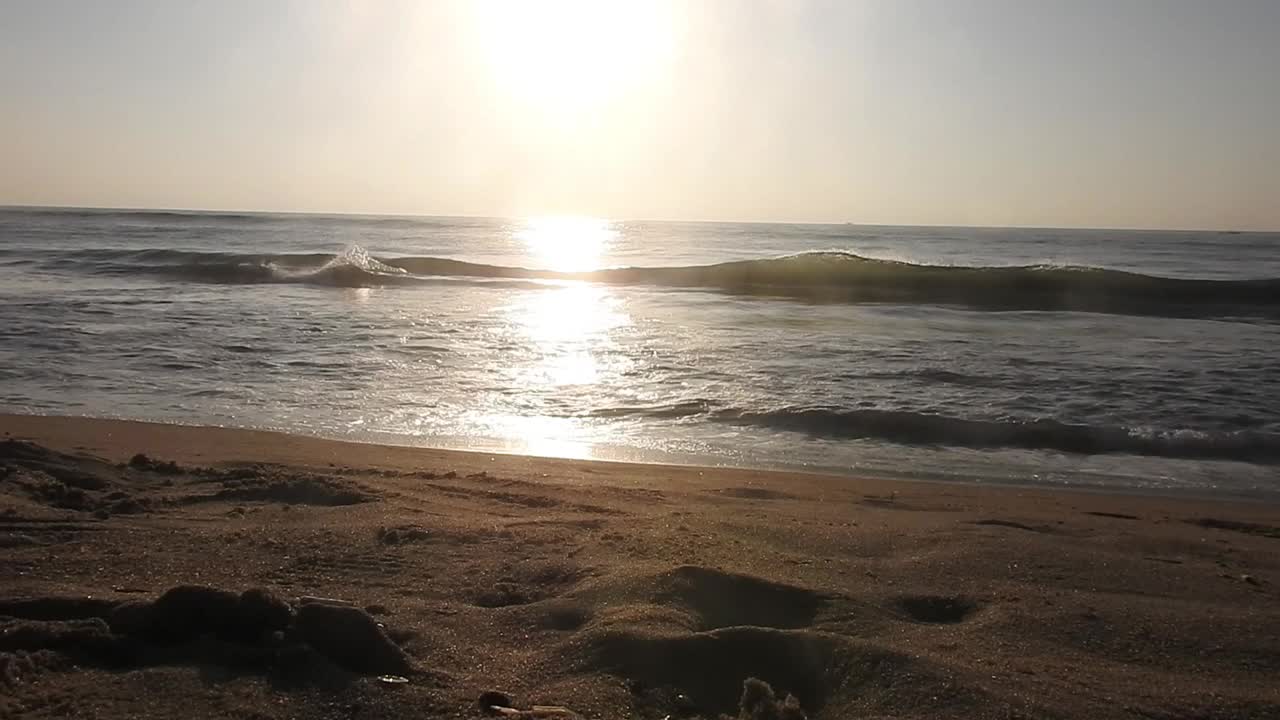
[(615, 590)]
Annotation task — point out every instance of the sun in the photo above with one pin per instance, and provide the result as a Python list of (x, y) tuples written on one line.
[(564, 58)]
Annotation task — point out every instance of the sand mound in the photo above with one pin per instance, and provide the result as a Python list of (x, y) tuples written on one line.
[(75, 471), (187, 612), (564, 615), (720, 599), (57, 608), (352, 638), (525, 583), (87, 641), (62, 481), (142, 462), (503, 595), (292, 489), (831, 676), (710, 667), (81, 483), (253, 631), (687, 639)]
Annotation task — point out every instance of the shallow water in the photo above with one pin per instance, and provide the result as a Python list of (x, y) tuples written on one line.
[(1116, 359)]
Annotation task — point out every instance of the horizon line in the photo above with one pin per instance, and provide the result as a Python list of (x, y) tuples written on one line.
[(229, 211)]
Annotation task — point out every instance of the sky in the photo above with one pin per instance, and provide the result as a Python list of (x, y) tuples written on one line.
[(1076, 113)]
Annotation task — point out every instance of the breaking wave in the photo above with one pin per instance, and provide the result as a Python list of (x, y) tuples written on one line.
[(820, 277), (912, 428), (905, 427)]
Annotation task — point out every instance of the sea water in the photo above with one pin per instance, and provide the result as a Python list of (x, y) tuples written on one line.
[(1122, 359)]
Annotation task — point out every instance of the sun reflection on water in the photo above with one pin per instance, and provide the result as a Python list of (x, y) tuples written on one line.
[(543, 436), (567, 243), (563, 348), (568, 330)]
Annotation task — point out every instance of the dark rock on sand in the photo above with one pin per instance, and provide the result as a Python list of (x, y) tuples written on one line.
[(189, 611), (351, 638), (262, 613)]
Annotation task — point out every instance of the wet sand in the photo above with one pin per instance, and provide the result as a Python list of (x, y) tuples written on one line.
[(616, 590)]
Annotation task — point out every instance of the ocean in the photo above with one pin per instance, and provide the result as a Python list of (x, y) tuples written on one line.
[(1104, 359)]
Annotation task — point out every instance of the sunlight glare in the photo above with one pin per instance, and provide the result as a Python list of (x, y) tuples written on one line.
[(569, 326), (570, 352), (567, 244), (542, 436), (566, 57)]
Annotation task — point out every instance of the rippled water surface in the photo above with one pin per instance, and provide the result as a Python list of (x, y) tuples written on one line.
[(1101, 358)]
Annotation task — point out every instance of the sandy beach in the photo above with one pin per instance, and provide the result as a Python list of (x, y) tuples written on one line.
[(639, 359), (614, 590)]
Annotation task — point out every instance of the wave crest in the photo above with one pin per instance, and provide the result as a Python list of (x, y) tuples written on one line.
[(823, 277), (912, 428)]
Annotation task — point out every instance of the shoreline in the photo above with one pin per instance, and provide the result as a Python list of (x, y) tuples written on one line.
[(617, 590), (55, 425)]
